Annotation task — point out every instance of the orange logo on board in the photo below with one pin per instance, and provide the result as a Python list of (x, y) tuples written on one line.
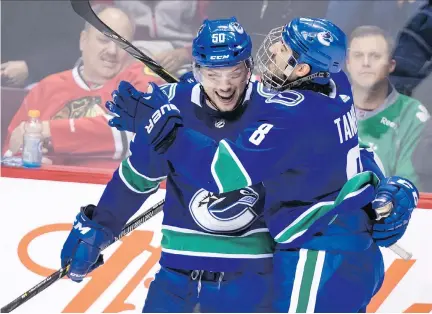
[(131, 246)]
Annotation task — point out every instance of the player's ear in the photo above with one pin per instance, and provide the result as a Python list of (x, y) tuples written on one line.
[(303, 69)]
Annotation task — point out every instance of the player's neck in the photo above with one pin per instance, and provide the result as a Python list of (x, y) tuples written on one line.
[(370, 98)]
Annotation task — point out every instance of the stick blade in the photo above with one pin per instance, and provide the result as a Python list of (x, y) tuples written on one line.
[(397, 249)]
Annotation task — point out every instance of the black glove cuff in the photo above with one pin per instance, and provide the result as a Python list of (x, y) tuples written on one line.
[(88, 210)]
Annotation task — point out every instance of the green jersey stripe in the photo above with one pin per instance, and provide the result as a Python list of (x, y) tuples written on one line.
[(184, 230), (136, 181), (306, 281), (227, 170), (313, 293), (351, 188), (204, 244), (158, 179), (298, 276)]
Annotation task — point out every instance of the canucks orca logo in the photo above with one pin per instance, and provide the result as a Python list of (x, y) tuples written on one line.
[(237, 27), (225, 213), (325, 38)]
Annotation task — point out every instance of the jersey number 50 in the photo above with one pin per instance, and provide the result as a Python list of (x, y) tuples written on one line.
[(218, 38)]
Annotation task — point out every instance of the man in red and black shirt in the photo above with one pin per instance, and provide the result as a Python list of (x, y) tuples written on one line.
[(72, 103)]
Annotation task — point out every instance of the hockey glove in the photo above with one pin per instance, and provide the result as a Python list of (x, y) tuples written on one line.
[(84, 244), (132, 107), (401, 197), (150, 113)]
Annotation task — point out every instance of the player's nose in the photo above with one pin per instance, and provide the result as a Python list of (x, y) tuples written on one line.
[(225, 85), (275, 48), (272, 49)]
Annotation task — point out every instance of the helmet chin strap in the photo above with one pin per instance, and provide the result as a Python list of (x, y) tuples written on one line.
[(306, 78), (207, 97), (301, 80)]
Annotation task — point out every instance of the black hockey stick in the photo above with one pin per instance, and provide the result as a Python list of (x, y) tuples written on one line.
[(83, 9), (48, 281)]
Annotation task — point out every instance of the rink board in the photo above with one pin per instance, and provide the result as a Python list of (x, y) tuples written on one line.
[(36, 217)]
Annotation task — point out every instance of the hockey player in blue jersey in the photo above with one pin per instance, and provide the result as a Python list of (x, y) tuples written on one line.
[(216, 249), (236, 224)]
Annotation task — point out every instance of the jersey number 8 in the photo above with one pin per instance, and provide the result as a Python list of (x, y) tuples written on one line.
[(353, 165), (259, 134)]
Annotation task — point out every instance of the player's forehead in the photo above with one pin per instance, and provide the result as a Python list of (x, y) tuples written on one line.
[(223, 71), (281, 46)]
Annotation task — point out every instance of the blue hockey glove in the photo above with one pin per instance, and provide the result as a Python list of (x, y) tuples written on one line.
[(400, 197), (151, 113), (132, 106), (84, 244)]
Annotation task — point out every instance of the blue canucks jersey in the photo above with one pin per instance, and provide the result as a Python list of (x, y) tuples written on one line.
[(283, 165), (201, 229), (303, 146)]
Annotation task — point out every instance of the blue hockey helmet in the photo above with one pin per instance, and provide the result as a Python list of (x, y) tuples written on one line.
[(221, 43), (317, 42)]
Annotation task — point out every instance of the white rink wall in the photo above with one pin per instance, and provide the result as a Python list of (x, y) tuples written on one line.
[(36, 217)]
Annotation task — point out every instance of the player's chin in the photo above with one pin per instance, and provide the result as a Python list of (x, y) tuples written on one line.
[(227, 107)]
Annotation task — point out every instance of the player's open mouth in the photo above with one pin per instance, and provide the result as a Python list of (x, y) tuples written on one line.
[(225, 99)]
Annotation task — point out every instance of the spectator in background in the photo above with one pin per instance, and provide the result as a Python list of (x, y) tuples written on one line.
[(72, 103), (166, 28), (389, 122), (38, 38), (389, 15)]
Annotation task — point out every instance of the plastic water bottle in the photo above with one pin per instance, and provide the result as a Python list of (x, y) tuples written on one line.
[(32, 147)]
